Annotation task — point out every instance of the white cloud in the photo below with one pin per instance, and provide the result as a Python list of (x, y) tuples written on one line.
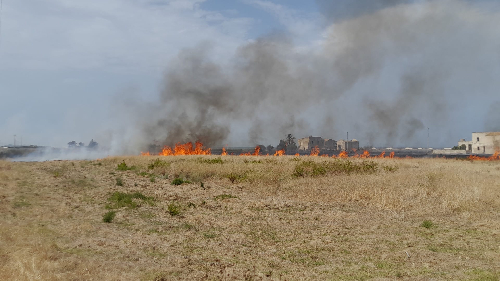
[(114, 34)]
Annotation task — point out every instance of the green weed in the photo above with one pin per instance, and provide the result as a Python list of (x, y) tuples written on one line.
[(427, 224), (109, 216), (179, 181), (119, 181), (158, 164), (120, 199), (174, 209), (123, 167)]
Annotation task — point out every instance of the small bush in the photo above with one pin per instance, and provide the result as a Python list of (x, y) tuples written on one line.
[(179, 181), (158, 164), (119, 181), (145, 174), (123, 167), (152, 179), (108, 217), (427, 224), (174, 209), (120, 199)]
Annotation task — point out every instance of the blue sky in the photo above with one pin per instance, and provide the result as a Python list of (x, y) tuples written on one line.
[(63, 62), (66, 66)]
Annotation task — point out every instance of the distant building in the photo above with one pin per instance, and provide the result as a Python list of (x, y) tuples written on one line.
[(482, 143), (311, 142), (348, 145), (330, 144)]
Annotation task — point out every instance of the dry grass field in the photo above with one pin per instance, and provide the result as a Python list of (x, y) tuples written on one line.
[(250, 218)]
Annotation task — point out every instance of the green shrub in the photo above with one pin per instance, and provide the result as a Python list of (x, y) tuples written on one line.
[(119, 181), (158, 164), (109, 216), (120, 199), (174, 209), (179, 181), (123, 167), (427, 224)]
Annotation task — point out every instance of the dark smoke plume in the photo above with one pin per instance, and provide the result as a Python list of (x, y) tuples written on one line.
[(388, 70)]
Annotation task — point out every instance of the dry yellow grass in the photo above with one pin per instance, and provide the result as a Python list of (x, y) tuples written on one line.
[(266, 224)]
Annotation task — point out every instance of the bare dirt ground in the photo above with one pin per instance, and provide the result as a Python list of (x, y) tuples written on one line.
[(253, 218)]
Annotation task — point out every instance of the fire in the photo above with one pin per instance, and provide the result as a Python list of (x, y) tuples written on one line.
[(296, 155), (279, 152), (343, 154), (224, 153), (495, 156), (145, 153), (183, 149), (255, 152), (315, 151)]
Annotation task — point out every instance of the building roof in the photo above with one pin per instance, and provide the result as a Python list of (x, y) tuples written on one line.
[(492, 134)]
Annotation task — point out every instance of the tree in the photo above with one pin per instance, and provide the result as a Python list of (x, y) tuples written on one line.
[(71, 144), (93, 144), (288, 144)]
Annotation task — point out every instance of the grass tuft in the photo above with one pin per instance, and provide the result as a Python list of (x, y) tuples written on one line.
[(119, 181), (212, 161), (123, 167), (120, 199), (179, 181), (157, 163), (427, 224), (109, 216), (174, 209)]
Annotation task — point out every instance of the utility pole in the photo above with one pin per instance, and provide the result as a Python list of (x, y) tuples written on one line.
[(347, 136)]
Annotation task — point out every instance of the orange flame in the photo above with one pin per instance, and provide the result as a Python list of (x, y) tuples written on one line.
[(255, 152), (224, 153), (279, 153), (366, 154), (183, 149), (315, 151), (495, 156), (343, 154)]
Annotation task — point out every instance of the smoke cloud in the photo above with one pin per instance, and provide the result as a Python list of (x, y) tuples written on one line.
[(386, 71)]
